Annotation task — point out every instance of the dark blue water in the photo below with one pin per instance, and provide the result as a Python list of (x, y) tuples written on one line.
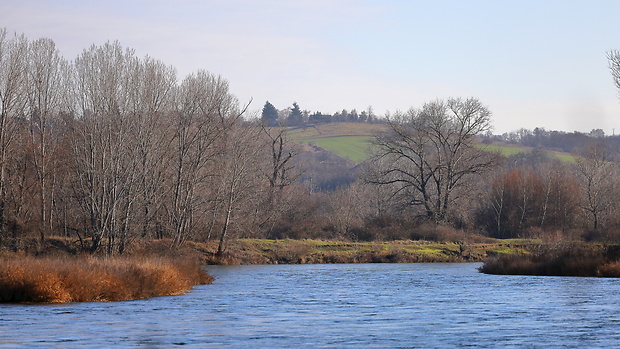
[(339, 306)]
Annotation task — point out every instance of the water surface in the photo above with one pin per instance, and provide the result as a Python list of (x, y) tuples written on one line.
[(336, 306)]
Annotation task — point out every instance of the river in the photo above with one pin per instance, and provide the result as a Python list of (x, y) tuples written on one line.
[(338, 306)]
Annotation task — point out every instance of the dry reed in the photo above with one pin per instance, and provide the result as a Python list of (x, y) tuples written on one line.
[(86, 279)]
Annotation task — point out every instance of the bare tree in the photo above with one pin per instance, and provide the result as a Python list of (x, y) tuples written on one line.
[(151, 94), (278, 168), (281, 170), (613, 57), (47, 73), (598, 184), (205, 111), (12, 101), (239, 177), (347, 208), (105, 176), (431, 153)]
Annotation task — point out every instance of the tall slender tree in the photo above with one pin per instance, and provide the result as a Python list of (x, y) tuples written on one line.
[(205, 112), (13, 58), (47, 72)]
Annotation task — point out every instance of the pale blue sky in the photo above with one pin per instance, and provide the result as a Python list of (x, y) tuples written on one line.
[(533, 63)]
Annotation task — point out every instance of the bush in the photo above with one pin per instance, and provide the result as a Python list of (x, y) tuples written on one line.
[(568, 260)]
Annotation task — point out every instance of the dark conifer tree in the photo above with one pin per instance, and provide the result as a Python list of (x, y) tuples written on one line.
[(295, 117), (270, 114)]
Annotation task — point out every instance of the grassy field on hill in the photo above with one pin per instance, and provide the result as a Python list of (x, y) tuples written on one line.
[(348, 140), (354, 148)]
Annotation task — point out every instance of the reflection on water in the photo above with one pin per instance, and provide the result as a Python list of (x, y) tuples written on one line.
[(350, 305)]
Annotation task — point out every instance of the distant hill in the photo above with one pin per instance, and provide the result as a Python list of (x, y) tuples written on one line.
[(351, 140)]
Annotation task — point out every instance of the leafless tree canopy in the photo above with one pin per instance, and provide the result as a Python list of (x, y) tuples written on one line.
[(429, 154), (112, 148), (614, 66)]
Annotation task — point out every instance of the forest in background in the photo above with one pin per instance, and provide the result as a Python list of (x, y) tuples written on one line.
[(110, 149)]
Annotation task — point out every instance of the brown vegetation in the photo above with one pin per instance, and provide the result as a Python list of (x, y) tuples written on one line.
[(87, 279), (573, 260)]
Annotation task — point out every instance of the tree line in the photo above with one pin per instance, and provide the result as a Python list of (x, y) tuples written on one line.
[(111, 149), (569, 142), (295, 116)]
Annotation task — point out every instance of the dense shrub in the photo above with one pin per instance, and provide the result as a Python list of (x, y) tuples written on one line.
[(566, 261)]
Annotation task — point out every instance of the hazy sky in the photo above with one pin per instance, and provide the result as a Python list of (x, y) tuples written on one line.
[(533, 63)]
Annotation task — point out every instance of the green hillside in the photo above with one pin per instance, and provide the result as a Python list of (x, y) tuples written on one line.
[(347, 140), (354, 148), (353, 140)]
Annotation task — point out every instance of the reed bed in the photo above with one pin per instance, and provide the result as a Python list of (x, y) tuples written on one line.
[(89, 279)]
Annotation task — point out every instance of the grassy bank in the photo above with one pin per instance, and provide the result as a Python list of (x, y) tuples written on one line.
[(573, 260), (87, 279), (263, 251)]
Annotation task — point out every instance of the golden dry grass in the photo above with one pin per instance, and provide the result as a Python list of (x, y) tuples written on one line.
[(611, 269), (87, 279)]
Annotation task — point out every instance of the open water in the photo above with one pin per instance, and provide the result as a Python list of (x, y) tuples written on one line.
[(338, 306)]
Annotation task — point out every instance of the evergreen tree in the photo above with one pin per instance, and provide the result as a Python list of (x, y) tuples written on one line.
[(270, 114), (295, 117)]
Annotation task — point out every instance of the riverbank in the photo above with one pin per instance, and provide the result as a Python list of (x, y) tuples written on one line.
[(59, 271), (54, 279), (288, 251)]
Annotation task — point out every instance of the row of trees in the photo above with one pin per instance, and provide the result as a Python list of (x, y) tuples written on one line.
[(294, 116), (570, 142), (111, 148)]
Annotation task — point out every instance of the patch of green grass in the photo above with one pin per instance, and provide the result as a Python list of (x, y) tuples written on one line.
[(562, 157), (354, 148), (506, 249), (504, 150), (507, 151)]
